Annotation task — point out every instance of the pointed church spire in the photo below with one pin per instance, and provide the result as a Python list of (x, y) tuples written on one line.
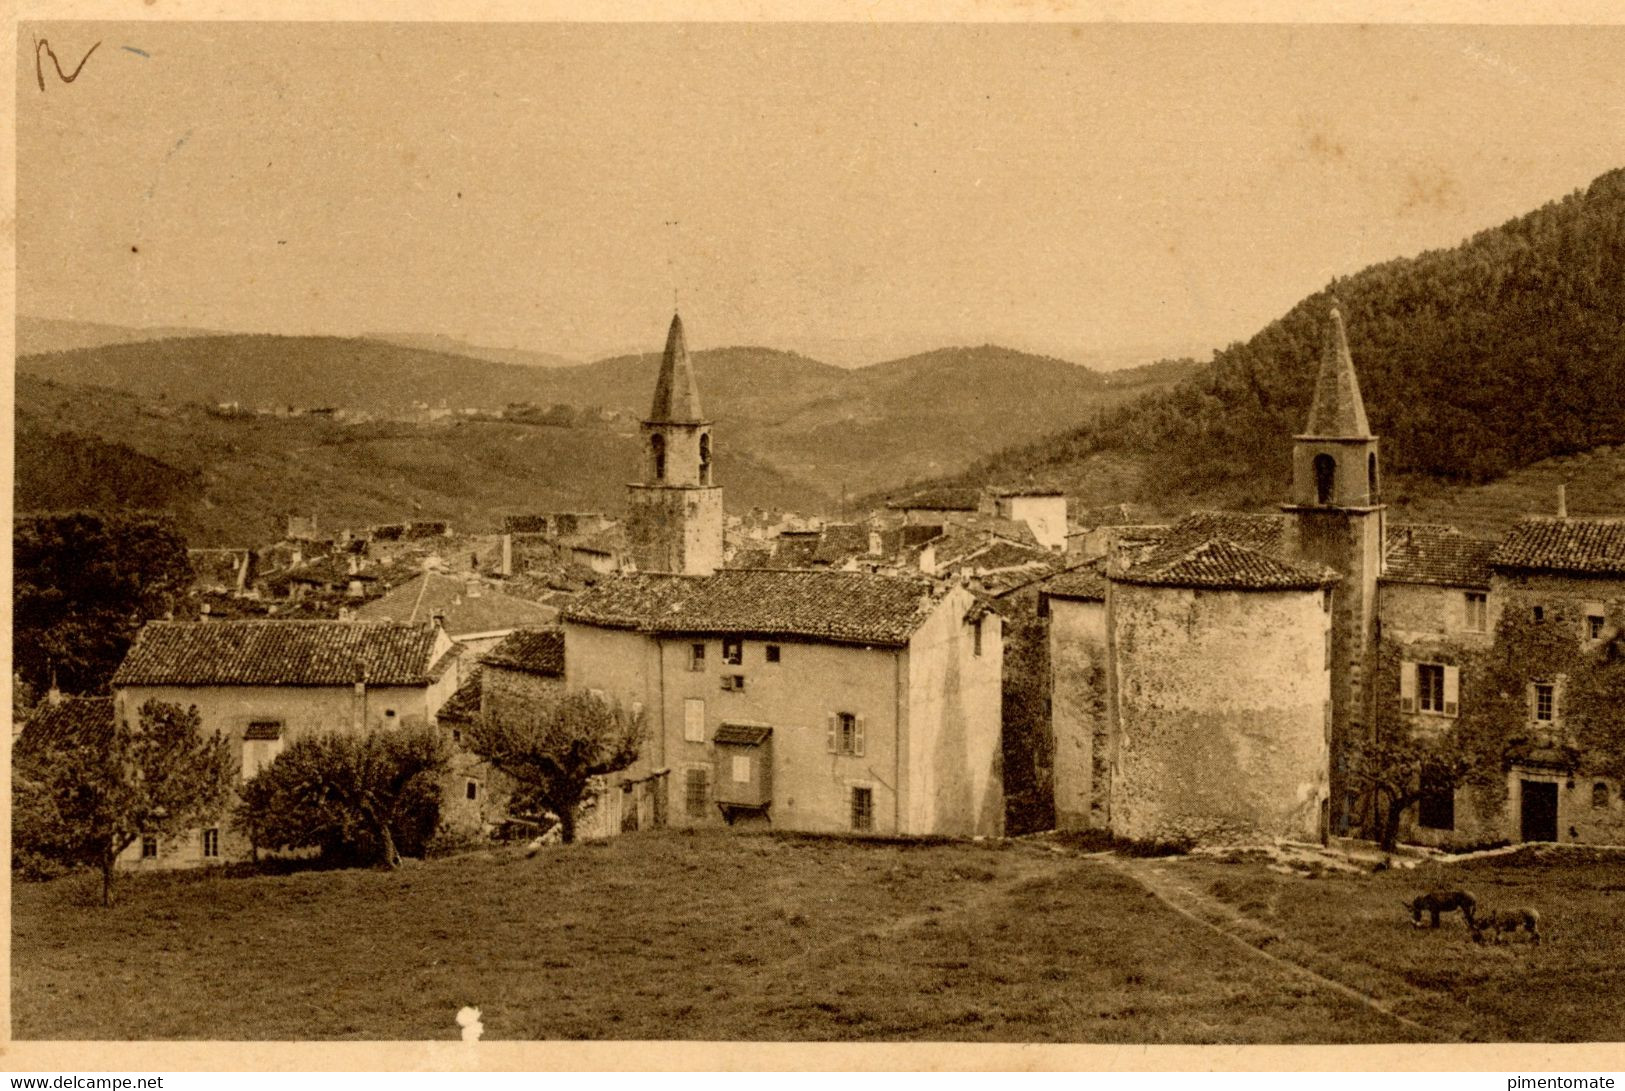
[(1337, 412), (677, 399)]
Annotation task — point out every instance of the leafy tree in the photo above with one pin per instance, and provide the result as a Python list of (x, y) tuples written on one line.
[(84, 583), (89, 801), (360, 797), (1397, 770), (552, 748)]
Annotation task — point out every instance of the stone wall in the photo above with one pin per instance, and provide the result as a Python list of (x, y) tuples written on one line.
[(1221, 704), (1077, 633)]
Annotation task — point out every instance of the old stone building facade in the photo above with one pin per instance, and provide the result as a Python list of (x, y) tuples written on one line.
[(812, 700), (1218, 679), (263, 684)]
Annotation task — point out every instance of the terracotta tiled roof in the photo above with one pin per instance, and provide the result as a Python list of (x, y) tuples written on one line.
[(77, 721), (1429, 553), (1224, 565), (464, 705), (945, 499), (1582, 546), (1086, 582), (742, 734), (534, 651), (846, 607), (484, 611), (841, 541), (1265, 533), (280, 653)]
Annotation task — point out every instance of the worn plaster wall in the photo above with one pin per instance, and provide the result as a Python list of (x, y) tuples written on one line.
[(1077, 633), (953, 754), (1221, 699), (796, 696), (1045, 515)]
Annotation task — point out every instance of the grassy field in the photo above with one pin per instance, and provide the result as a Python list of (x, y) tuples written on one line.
[(711, 936)]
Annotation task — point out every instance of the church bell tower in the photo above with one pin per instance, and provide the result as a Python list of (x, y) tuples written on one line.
[(1338, 521), (674, 521)]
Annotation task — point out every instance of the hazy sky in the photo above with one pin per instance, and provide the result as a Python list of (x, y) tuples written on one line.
[(844, 190)]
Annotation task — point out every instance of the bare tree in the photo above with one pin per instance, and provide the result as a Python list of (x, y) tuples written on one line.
[(1399, 769), (552, 748)]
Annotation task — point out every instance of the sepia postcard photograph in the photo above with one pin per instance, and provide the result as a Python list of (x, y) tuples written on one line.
[(951, 535)]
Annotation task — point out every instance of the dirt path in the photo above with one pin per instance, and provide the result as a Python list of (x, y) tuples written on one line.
[(1161, 880)]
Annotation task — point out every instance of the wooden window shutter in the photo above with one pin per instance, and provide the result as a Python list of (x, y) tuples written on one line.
[(834, 729), (857, 737), (1407, 687), (1452, 690)]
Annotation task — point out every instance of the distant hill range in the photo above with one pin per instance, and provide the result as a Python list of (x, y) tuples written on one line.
[(230, 480), (1504, 352), (833, 429), (36, 335)]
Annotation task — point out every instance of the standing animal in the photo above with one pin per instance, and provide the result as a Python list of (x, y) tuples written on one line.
[(1435, 902), (1497, 921)]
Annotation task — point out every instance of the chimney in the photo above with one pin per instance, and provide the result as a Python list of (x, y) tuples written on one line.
[(53, 696), (1562, 501), (507, 554)]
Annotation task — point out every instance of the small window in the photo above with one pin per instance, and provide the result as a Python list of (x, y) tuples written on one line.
[(863, 808), (1430, 687), (696, 657), (472, 789), (846, 734), (1437, 808), (693, 720), (1540, 613), (976, 637), (211, 844), (741, 769), (1599, 794), (1545, 701), (733, 652), (1478, 611), (1594, 624), (734, 682), (698, 792), (456, 735), (149, 846), (772, 653), (389, 714)]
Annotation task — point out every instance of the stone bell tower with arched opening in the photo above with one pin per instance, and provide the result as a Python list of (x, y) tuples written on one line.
[(674, 518), (1338, 522)]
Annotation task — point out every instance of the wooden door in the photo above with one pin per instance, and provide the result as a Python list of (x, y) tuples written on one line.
[(1539, 810)]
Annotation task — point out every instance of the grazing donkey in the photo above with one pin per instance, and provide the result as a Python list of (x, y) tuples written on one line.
[(1497, 921), (1435, 902)]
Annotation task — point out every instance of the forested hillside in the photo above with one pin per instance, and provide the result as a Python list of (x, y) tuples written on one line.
[(1474, 361)]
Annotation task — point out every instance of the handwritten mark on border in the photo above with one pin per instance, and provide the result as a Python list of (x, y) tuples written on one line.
[(41, 45)]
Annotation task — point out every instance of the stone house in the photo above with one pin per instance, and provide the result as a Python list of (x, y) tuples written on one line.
[(527, 666), (1514, 648), (262, 684), (816, 700)]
